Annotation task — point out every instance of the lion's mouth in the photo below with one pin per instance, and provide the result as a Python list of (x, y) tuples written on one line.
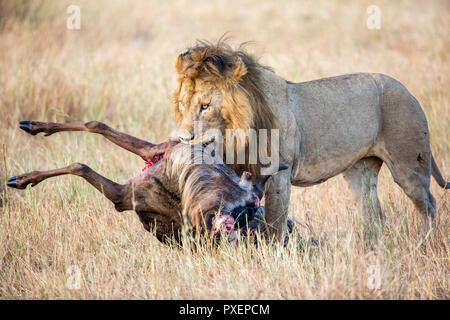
[(204, 142)]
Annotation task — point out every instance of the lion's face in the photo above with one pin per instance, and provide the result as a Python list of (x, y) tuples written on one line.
[(220, 89), (200, 108)]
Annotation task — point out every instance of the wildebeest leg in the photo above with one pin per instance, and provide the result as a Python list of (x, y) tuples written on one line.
[(115, 192), (363, 180), (144, 149)]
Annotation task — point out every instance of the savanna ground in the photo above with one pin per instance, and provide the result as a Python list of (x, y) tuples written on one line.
[(118, 68)]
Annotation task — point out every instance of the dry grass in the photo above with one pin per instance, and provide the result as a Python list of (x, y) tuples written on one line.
[(119, 69)]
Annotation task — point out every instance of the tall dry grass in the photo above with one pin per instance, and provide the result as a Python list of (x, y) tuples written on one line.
[(119, 69)]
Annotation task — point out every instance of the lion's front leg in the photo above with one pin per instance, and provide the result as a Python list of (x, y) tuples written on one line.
[(278, 191)]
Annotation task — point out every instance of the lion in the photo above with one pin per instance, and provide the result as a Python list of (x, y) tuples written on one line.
[(349, 124)]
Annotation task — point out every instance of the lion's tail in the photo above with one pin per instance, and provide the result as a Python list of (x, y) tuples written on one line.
[(437, 175)]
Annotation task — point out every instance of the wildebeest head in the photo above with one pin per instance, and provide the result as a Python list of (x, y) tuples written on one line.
[(203, 192)]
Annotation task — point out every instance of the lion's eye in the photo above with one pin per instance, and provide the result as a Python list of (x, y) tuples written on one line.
[(204, 106), (180, 106)]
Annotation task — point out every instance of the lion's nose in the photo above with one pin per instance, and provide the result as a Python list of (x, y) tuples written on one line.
[(185, 136)]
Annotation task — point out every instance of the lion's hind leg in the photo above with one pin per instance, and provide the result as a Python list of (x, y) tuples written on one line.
[(414, 178), (363, 180)]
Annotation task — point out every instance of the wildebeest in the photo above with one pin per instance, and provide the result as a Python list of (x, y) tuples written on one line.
[(177, 188)]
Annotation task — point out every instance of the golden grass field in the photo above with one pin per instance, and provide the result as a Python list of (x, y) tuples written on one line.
[(118, 69)]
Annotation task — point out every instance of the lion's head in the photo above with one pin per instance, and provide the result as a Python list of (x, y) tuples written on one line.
[(219, 88)]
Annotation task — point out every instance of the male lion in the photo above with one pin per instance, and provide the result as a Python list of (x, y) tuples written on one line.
[(347, 124)]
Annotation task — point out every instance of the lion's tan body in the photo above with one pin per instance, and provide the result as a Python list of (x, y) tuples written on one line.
[(334, 122), (348, 124)]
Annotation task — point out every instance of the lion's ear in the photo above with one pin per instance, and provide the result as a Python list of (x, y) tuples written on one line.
[(239, 69), (179, 64), (185, 66)]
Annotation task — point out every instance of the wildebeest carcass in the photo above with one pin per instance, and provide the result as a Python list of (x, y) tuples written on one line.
[(175, 189)]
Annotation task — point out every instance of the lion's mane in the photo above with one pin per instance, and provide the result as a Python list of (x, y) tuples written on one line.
[(238, 75)]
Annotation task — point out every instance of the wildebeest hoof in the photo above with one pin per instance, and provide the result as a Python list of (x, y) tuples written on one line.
[(34, 127), (12, 182), (26, 126), (21, 181)]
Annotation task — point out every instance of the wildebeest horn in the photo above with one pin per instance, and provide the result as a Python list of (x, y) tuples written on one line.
[(158, 149), (262, 179)]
